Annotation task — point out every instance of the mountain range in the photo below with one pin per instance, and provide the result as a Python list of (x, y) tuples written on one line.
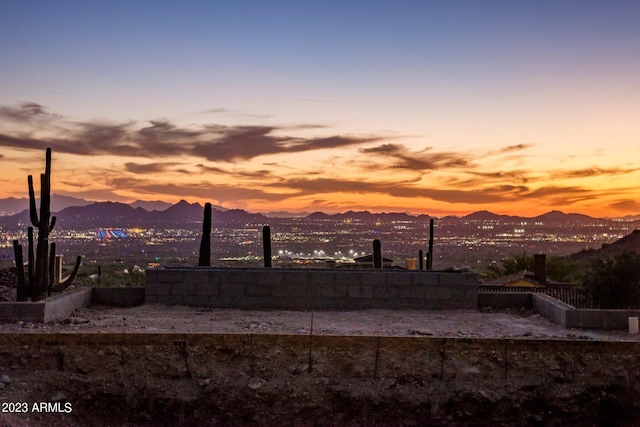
[(75, 213)]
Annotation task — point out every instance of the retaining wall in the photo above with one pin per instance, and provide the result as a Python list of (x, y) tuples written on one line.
[(501, 300), (46, 310), (307, 289), (570, 317)]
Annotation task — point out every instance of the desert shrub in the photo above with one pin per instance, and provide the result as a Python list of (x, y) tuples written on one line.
[(614, 282)]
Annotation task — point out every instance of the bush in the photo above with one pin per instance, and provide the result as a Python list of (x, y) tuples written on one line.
[(614, 282)]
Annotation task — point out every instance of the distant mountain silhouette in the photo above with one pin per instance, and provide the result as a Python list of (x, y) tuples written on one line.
[(485, 216), (557, 216), (285, 214), (13, 205), (59, 202), (319, 216), (102, 214), (114, 215), (367, 216), (185, 211), (155, 205), (630, 242)]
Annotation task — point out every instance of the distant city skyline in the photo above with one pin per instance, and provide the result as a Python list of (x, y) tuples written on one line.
[(412, 106)]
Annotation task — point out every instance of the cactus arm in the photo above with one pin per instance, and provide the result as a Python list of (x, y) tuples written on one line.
[(45, 212), (33, 212), (430, 262), (53, 223), (52, 267), (69, 280), (31, 259), (21, 290), (266, 245), (205, 244)]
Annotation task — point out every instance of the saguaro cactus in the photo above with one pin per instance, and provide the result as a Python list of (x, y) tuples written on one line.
[(430, 254), (205, 242), (266, 245), (377, 254), (421, 259), (41, 283)]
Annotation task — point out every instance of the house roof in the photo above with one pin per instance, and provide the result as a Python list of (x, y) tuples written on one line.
[(523, 275), (369, 258), (527, 276)]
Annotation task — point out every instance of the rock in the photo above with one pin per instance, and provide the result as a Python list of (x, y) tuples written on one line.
[(5, 379), (256, 383)]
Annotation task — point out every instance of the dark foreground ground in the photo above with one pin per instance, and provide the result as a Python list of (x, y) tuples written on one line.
[(180, 366)]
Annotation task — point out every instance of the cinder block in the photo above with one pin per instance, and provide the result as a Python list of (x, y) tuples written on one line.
[(256, 290), (197, 276), (150, 299), (437, 292), (245, 277), (373, 278), (400, 278), (309, 290), (454, 291), (171, 276), (425, 278), (185, 289), (471, 279), (385, 292), (208, 289), (345, 278), (231, 290), (360, 291), (331, 291), (450, 279), (411, 292), (285, 290), (322, 277), (158, 289), (269, 277), (295, 277)]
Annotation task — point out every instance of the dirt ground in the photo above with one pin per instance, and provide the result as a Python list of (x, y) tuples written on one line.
[(155, 385), (157, 318)]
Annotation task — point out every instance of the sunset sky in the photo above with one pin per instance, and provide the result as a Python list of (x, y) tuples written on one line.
[(435, 107)]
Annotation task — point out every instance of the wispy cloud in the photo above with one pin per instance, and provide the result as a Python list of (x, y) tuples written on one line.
[(626, 205), (161, 138), (591, 172), (424, 160), (27, 112), (149, 168), (512, 148), (203, 190)]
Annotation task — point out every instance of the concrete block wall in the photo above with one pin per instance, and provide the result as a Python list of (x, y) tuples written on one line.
[(502, 300), (600, 319), (46, 310), (308, 289), (551, 308), (570, 317)]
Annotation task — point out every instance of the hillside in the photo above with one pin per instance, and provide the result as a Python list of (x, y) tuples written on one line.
[(630, 242)]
